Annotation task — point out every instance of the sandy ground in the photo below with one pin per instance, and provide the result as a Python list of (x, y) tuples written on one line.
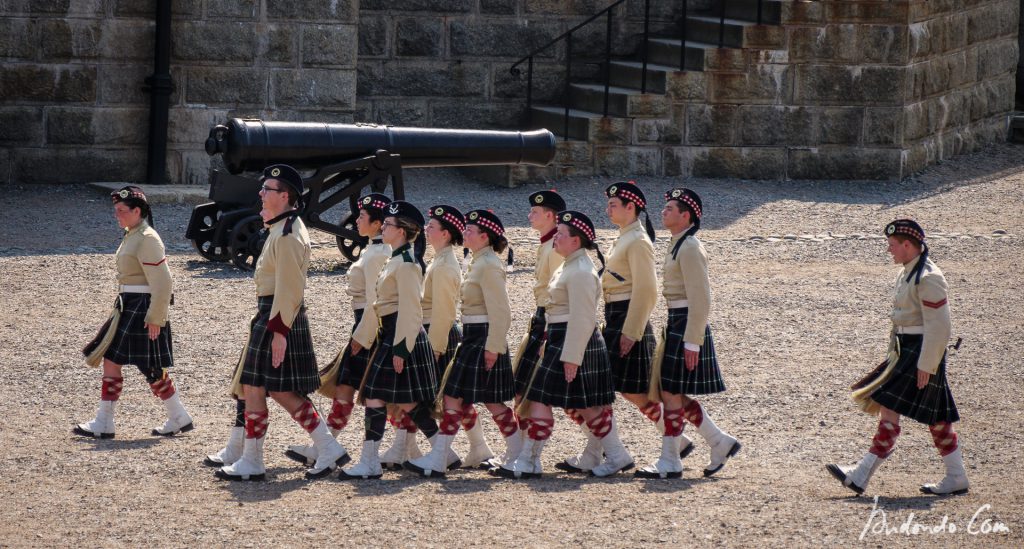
[(801, 287)]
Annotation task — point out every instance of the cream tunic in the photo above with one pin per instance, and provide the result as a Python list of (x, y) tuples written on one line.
[(575, 290), (686, 277), (484, 293), (925, 304), (281, 272), (141, 261), (362, 286), (441, 297), (630, 269)]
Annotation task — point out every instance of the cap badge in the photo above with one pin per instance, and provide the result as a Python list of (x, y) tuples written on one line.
[(275, 172), (539, 199), (439, 211), (393, 209), (473, 215), (891, 229)]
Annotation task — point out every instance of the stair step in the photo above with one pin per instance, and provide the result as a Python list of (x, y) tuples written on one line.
[(705, 28), (746, 10), (665, 52), (553, 118), (628, 74), (622, 102)]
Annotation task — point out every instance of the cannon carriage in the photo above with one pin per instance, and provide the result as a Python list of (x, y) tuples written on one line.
[(345, 161)]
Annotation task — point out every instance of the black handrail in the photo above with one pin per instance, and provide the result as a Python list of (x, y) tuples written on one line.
[(607, 13)]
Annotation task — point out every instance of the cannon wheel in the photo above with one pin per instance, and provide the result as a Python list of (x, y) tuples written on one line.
[(246, 242), (350, 248), (204, 223)]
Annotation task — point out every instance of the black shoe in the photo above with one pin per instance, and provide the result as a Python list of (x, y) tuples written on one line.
[(732, 452), (686, 451), (184, 429), (839, 475), (295, 456), (510, 474), (564, 466), (84, 433), (640, 473), (410, 466), (224, 476)]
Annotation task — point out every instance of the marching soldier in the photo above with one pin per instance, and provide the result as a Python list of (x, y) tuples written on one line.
[(481, 370), (912, 381), (138, 331), (685, 362), (345, 373), (544, 208), (278, 360), (574, 372), (402, 370)]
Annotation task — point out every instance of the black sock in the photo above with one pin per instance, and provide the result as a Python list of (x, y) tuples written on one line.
[(421, 417), (374, 423), (239, 412)]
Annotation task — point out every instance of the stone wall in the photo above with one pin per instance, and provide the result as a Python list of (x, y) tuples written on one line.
[(71, 101), (445, 63), (852, 89)]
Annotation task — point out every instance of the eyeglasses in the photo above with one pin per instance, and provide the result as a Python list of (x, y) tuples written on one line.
[(265, 188), (389, 224)]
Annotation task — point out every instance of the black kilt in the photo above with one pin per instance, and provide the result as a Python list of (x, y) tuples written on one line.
[(131, 343), (352, 368), (469, 380), (675, 378), (297, 372), (418, 380), (454, 339), (930, 405), (593, 385), (529, 355), (632, 373)]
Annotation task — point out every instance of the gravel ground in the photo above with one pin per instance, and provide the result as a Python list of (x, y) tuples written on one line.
[(801, 283)]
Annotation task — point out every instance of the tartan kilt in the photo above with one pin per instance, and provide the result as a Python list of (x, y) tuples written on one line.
[(131, 343), (675, 378), (454, 339), (418, 380), (593, 385), (930, 405), (298, 371), (529, 355), (352, 368), (467, 377), (632, 373)]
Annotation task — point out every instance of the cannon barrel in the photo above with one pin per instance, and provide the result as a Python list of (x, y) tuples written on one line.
[(251, 145)]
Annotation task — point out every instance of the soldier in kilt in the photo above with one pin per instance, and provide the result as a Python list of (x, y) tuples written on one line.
[(440, 301), (340, 379), (138, 331), (574, 372), (544, 208), (481, 371), (686, 363), (278, 359), (912, 381), (402, 370)]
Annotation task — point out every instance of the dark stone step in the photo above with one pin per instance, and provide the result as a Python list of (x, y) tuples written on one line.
[(746, 10), (702, 28), (665, 51)]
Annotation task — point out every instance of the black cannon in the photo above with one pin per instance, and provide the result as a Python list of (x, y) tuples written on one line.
[(344, 160)]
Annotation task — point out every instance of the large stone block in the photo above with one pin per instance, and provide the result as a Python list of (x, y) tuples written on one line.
[(844, 163), (840, 125), (321, 88), (610, 130), (798, 13), (122, 84), (489, 115), (747, 163), (657, 130), (276, 44), (97, 126), (997, 57), (846, 85), (562, 7), (883, 125), (548, 83), (623, 161), (190, 126), (70, 84), (373, 36), (64, 38), (196, 167), (234, 9), (419, 37), (499, 39), (498, 7), (686, 86), (401, 112), (36, 7), (761, 84), (335, 11), (855, 43), (857, 11), (147, 8), (993, 20), (19, 38), (422, 78), (773, 125), (226, 86), (78, 165), (5, 166), (676, 162), (21, 126), (329, 45), (213, 41), (764, 36), (438, 6), (711, 124)]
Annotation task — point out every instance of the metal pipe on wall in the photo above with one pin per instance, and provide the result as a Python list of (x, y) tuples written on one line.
[(160, 86)]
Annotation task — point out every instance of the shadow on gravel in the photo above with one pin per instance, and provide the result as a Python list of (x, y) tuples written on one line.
[(116, 444), (909, 503), (201, 268), (265, 490)]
